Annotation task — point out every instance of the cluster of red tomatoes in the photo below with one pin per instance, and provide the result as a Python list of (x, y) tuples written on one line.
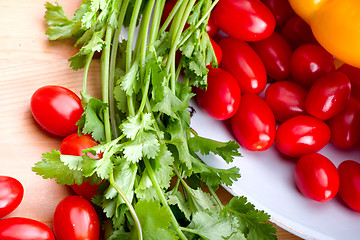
[(276, 85), (57, 110)]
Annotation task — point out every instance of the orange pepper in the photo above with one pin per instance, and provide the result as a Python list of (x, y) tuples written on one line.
[(335, 24)]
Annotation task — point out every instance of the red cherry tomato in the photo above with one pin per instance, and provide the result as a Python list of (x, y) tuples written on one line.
[(211, 27), (244, 64), (301, 135), (353, 73), (18, 228), (275, 52), (254, 124), (217, 51), (281, 9), (349, 191), (222, 96), (309, 62), (286, 99), (317, 177), (76, 219), (73, 145), (11, 195), (345, 126), (328, 95), (297, 32), (247, 20), (56, 109)]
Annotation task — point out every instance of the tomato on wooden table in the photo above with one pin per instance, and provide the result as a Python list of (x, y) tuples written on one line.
[(301, 135), (254, 123), (76, 219), (11, 195), (349, 190), (275, 52), (345, 126), (317, 177), (310, 62), (239, 59), (247, 20), (74, 144), (286, 99), (353, 73), (328, 95), (19, 228), (222, 97), (56, 109)]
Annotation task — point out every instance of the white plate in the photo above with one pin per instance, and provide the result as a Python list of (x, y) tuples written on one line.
[(267, 181)]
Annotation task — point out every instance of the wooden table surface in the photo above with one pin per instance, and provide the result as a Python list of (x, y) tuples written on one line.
[(27, 61)]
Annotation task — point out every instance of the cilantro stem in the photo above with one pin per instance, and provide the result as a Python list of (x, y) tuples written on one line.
[(86, 70), (213, 193), (105, 59), (159, 6), (170, 17), (162, 198), (114, 49), (128, 203)]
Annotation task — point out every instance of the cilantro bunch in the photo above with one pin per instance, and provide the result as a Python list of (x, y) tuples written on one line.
[(154, 178)]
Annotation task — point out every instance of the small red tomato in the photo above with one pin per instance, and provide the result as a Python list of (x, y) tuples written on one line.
[(286, 99), (316, 177), (254, 124), (301, 135), (297, 32), (281, 9), (76, 219), (247, 20), (275, 52), (349, 191), (11, 195), (221, 99), (56, 109), (353, 73), (18, 228), (328, 95), (345, 126), (309, 62), (211, 27), (244, 64), (74, 145), (217, 51)]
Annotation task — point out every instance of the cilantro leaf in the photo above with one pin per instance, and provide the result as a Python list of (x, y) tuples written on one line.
[(227, 150), (252, 222), (155, 221), (51, 166)]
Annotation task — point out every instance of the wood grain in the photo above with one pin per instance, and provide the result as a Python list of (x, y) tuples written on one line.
[(27, 61)]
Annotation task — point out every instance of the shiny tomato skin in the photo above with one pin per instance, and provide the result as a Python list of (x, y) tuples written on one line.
[(247, 20), (345, 126), (222, 97), (239, 59), (56, 109), (349, 191), (353, 73), (275, 52), (328, 95), (301, 135), (310, 62), (254, 124), (76, 219), (19, 228), (211, 27), (281, 9), (73, 145), (11, 195), (297, 32), (217, 51), (286, 99), (317, 177)]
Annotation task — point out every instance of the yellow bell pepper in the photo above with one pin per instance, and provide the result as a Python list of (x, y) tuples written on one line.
[(335, 24)]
